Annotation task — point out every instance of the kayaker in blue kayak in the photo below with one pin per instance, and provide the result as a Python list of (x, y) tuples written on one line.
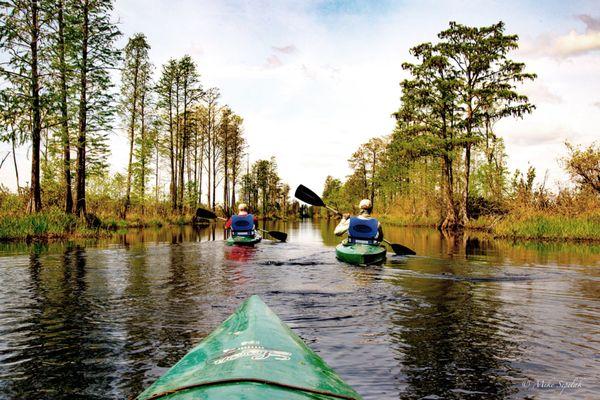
[(361, 227), (242, 212)]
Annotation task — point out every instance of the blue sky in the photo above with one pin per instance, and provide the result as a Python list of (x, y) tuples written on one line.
[(314, 79)]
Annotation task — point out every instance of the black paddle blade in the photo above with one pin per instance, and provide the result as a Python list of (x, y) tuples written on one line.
[(281, 236), (202, 213), (402, 250), (308, 196)]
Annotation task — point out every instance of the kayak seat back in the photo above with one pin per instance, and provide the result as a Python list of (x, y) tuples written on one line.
[(363, 231), (242, 225)]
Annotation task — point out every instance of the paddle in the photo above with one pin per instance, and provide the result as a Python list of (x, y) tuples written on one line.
[(202, 213), (308, 196), (281, 236)]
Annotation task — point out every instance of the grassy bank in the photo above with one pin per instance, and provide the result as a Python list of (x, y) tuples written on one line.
[(542, 227), (55, 224), (531, 226), (47, 225)]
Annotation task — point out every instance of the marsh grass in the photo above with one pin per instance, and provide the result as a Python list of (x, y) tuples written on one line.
[(48, 224), (56, 224), (549, 227)]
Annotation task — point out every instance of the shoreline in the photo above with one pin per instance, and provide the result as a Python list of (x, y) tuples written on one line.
[(512, 225), (59, 226)]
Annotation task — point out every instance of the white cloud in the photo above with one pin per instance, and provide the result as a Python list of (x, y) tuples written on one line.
[(566, 45), (538, 92)]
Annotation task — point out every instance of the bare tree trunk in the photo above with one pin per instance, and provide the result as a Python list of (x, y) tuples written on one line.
[(35, 202), (451, 220), (143, 152), (226, 171), (156, 173), (14, 154), (66, 142), (182, 149), (173, 185), (234, 174), (81, 139), (214, 172), (209, 153), (201, 169), (465, 207), (195, 194), (132, 133), (373, 178)]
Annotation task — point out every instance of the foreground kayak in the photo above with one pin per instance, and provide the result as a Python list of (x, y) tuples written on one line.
[(251, 356), (244, 240), (360, 254)]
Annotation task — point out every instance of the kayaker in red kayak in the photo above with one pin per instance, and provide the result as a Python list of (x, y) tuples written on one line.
[(362, 227), (242, 211)]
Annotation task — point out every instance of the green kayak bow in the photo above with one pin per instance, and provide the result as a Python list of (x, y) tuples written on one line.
[(251, 356)]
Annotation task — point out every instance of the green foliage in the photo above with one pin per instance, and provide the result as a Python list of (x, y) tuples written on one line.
[(102, 58), (262, 189), (443, 158), (584, 166), (545, 227), (51, 223)]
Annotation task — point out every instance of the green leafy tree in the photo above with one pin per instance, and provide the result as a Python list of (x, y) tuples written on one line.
[(486, 80), (166, 91), (94, 44), (63, 32), (584, 166), (426, 121), (23, 42), (191, 91), (135, 88)]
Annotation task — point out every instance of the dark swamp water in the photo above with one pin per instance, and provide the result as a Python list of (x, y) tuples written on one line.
[(467, 318)]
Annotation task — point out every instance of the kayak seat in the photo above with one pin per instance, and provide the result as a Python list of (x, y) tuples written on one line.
[(363, 231), (242, 225)]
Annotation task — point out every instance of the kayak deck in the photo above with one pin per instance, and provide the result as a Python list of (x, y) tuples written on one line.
[(360, 254), (252, 355)]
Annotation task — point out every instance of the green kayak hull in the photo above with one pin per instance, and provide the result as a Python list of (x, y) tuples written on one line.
[(360, 254), (251, 356), (244, 240)]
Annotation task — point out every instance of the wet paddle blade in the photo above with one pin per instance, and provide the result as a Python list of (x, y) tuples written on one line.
[(202, 213), (308, 196), (281, 236), (402, 250)]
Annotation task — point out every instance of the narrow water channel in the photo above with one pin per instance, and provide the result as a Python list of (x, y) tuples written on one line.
[(465, 319)]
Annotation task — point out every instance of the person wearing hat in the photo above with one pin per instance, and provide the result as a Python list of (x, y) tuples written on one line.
[(367, 227)]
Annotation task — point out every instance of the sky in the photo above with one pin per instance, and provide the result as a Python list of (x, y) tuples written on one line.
[(315, 79)]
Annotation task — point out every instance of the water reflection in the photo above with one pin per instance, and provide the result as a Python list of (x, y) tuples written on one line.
[(469, 317), (452, 339)]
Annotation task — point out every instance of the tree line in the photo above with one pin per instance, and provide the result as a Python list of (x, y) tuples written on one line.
[(58, 98), (445, 160)]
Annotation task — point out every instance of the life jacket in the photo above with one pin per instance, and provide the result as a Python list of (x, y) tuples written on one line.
[(363, 231), (242, 225)]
